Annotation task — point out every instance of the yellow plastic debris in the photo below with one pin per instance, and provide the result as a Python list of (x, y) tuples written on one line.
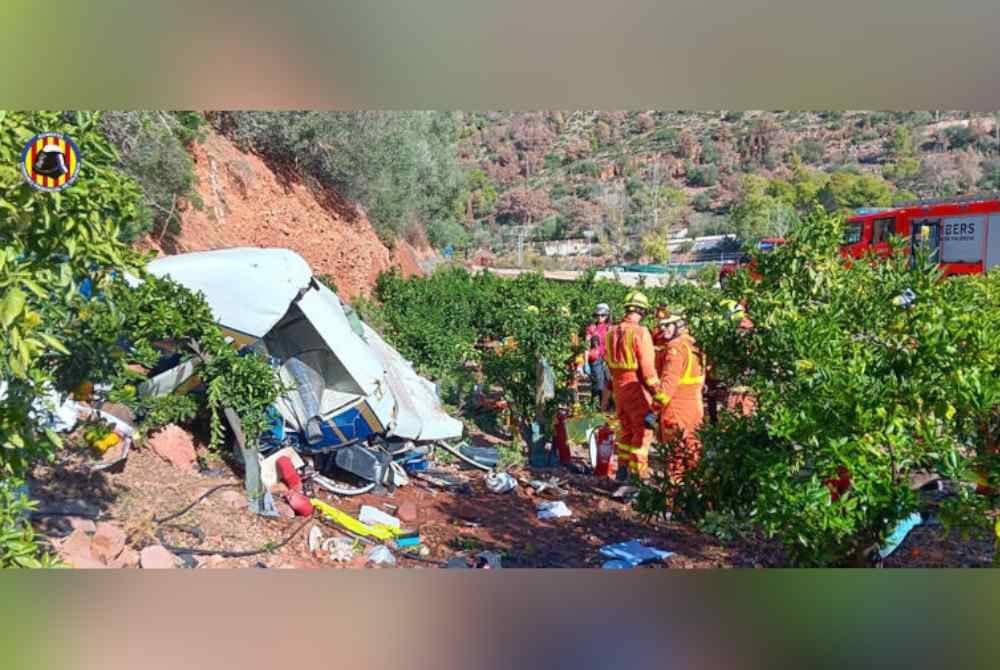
[(106, 442), (378, 531)]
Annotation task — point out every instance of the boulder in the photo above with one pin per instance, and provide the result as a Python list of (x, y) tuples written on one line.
[(407, 512), (75, 551), (129, 558), (156, 557), (108, 542), (174, 445)]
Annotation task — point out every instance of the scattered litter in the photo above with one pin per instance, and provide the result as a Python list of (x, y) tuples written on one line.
[(380, 555), (625, 492), (632, 553), (415, 464), (554, 485), (442, 479), (299, 503), (899, 534), (314, 540), (372, 516), (348, 522), (458, 563), (616, 564), (500, 482), (553, 510), (488, 456), (341, 549), (410, 540)]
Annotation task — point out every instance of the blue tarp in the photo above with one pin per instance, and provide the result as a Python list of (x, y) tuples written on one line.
[(629, 554), (902, 529)]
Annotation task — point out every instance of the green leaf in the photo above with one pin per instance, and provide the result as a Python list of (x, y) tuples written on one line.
[(54, 343), (11, 306), (35, 288), (54, 438)]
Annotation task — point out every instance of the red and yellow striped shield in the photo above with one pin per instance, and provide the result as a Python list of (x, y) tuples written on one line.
[(50, 161)]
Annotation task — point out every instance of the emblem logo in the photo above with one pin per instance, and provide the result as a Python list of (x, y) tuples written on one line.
[(50, 162)]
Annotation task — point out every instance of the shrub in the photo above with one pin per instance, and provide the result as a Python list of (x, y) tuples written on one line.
[(703, 175), (666, 136), (703, 201), (960, 137), (152, 150), (991, 175), (811, 151)]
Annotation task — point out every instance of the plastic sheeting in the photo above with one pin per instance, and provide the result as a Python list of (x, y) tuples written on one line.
[(248, 289), (264, 293), (418, 409)]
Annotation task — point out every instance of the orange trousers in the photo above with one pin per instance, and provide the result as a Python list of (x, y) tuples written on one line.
[(632, 404), (679, 424)]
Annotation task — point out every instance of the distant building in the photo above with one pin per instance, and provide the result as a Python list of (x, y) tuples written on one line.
[(577, 246)]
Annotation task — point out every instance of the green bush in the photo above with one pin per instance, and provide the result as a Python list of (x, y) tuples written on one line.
[(811, 151), (703, 175), (703, 201), (152, 147), (960, 137)]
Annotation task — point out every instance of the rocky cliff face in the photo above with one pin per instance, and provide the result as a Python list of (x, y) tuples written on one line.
[(247, 203)]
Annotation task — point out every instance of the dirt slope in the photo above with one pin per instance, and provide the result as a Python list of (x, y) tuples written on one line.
[(246, 203)]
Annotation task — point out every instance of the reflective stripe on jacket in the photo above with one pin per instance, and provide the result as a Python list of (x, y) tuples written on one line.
[(629, 347)]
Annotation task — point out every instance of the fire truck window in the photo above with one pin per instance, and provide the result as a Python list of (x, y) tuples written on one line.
[(852, 234), (882, 229)]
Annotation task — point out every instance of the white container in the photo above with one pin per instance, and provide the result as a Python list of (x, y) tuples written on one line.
[(372, 516)]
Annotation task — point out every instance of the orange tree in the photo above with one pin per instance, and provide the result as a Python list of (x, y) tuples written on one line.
[(53, 334), (437, 321), (50, 243), (857, 388)]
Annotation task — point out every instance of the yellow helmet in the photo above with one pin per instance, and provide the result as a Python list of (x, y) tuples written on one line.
[(637, 299), (734, 309), (667, 319)]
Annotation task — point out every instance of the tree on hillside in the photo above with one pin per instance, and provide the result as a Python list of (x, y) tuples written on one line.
[(614, 237), (758, 213), (522, 206), (152, 148), (847, 191)]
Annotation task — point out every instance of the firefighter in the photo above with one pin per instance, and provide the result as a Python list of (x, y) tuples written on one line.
[(738, 398), (630, 359), (738, 314), (679, 398), (597, 333)]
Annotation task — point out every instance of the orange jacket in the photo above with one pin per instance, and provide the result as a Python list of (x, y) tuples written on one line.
[(629, 348), (679, 365)]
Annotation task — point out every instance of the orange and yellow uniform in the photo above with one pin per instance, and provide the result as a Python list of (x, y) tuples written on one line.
[(631, 361), (679, 365)]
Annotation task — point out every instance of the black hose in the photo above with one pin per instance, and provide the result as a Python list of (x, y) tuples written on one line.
[(159, 520), (197, 532), (225, 553)]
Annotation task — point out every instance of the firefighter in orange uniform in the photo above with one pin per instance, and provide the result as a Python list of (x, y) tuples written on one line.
[(630, 359), (679, 398)]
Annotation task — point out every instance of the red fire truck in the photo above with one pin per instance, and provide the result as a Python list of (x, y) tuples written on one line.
[(961, 234)]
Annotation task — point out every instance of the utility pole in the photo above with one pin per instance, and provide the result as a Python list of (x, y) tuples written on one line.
[(656, 195)]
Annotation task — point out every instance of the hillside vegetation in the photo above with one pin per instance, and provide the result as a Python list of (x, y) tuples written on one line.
[(629, 178)]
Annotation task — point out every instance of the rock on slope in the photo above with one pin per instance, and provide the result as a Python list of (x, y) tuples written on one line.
[(246, 203)]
